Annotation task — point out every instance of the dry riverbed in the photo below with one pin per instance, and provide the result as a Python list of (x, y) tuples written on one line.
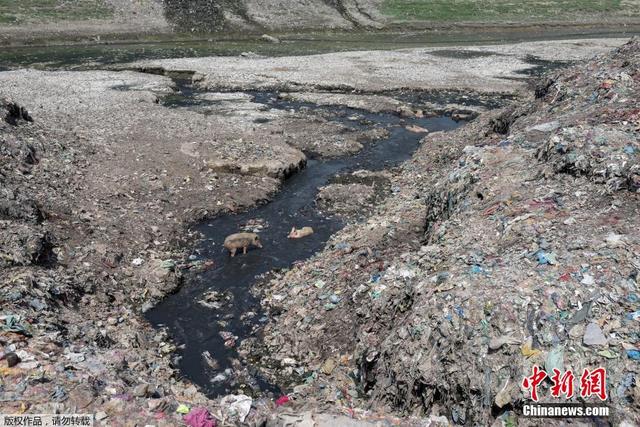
[(102, 174), (488, 69)]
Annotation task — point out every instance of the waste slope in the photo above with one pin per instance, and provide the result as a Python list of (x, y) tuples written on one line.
[(510, 243)]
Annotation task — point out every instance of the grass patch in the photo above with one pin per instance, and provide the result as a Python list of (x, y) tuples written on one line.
[(504, 10), (26, 11)]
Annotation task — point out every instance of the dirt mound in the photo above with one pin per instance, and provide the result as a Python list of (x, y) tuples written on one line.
[(505, 247)]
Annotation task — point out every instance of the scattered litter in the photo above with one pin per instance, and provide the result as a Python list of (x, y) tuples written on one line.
[(608, 354), (528, 350), (633, 354), (215, 300), (546, 258), (582, 314), (15, 324), (229, 339), (496, 343), (168, 264), (587, 279), (282, 400), (255, 225), (555, 360), (634, 316), (199, 417), (213, 364), (593, 335), (12, 359), (236, 407), (183, 409)]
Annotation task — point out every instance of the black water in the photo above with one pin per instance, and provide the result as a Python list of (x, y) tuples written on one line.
[(197, 327)]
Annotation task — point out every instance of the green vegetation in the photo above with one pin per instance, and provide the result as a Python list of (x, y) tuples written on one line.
[(503, 10), (26, 11)]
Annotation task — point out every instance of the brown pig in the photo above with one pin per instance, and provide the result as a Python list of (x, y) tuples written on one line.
[(299, 234), (241, 240)]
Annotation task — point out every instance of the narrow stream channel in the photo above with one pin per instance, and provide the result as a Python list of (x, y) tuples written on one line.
[(199, 329)]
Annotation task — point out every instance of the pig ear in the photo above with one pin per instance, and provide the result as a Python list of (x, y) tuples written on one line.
[(293, 229)]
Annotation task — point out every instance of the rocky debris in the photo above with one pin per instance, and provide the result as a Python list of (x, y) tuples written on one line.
[(578, 151), (332, 139), (510, 243), (12, 359), (25, 245), (279, 168), (56, 21), (379, 103), (349, 418), (289, 15), (79, 262)]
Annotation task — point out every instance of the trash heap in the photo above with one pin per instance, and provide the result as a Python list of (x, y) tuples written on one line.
[(71, 336), (511, 243)]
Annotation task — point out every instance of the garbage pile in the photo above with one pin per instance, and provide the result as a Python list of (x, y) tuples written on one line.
[(71, 337), (353, 196), (511, 244)]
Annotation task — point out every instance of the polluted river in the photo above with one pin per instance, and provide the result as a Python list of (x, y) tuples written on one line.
[(218, 308), (215, 310), (472, 224)]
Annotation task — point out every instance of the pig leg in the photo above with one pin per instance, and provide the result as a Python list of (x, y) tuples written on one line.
[(244, 250), (233, 252)]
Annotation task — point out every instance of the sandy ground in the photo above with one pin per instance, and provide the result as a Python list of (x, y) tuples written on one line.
[(495, 69)]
